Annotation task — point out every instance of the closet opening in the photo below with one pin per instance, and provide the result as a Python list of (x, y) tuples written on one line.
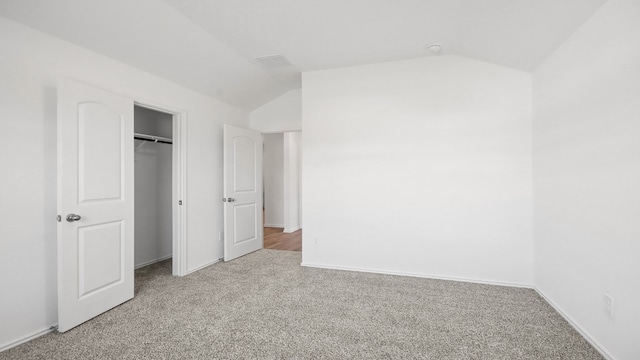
[(158, 203)]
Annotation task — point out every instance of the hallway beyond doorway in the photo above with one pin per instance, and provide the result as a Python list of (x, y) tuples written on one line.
[(275, 239)]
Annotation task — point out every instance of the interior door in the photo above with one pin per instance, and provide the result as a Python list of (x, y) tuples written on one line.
[(95, 202), (242, 191)]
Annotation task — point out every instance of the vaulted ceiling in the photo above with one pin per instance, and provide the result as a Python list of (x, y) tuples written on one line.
[(211, 45)]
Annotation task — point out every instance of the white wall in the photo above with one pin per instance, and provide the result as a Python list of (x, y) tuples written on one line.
[(153, 190), (419, 167), (273, 170), (291, 179), (586, 154), (282, 114), (30, 64)]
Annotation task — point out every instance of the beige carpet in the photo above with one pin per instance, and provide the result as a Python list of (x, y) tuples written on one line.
[(265, 306)]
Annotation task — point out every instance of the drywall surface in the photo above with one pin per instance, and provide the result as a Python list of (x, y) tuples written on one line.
[(30, 64), (281, 114), (291, 178), (419, 167), (273, 173), (153, 191), (586, 152)]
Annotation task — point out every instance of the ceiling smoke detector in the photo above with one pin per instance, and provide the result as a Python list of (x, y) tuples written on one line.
[(435, 48), (273, 61)]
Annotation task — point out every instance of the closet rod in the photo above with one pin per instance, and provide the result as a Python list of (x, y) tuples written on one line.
[(159, 139)]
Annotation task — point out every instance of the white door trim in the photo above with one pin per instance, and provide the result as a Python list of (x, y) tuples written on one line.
[(290, 182), (178, 181)]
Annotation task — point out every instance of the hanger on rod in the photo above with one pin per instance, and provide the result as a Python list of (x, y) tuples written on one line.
[(153, 138)]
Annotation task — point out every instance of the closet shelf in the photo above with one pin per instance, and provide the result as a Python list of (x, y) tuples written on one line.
[(153, 138)]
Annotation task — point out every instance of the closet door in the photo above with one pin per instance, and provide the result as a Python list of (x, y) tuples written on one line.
[(95, 202)]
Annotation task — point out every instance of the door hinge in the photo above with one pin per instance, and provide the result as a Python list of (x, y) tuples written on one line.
[(59, 217)]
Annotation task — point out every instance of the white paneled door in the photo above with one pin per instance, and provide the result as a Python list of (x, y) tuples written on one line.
[(95, 202), (242, 191)]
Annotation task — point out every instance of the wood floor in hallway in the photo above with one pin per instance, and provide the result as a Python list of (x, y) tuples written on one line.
[(275, 239)]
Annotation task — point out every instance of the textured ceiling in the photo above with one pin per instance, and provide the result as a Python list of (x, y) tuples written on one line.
[(210, 45)]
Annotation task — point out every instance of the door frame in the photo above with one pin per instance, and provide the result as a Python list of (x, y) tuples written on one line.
[(178, 182)]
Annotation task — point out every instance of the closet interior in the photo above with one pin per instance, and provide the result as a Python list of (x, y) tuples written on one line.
[(153, 191)]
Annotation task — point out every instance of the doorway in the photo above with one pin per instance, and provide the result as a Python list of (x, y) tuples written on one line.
[(153, 139), (281, 177), (159, 187)]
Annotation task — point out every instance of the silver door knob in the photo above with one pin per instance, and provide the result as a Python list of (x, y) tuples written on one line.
[(228, 199), (73, 217)]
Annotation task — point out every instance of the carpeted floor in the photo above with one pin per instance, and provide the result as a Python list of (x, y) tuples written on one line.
[(265, 306)]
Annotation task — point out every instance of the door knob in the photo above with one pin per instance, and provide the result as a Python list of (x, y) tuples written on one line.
[(73, 217), (228, 199)]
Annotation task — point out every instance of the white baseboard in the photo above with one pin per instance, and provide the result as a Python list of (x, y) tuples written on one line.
[(581, 331), (418, 275), (289, 231), (274, 225), (27, 338), (52, 328), (203, 266), (147, 263)]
